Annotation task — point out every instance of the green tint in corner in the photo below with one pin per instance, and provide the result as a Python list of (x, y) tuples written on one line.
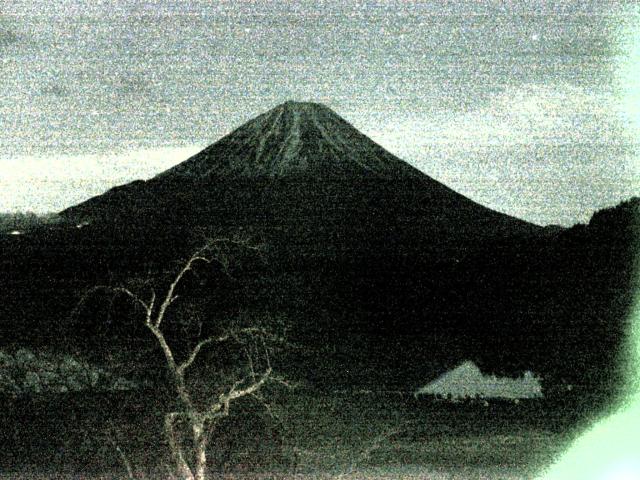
[(610, 449)]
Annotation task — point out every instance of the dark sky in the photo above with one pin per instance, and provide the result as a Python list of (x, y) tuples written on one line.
[(529, 107)]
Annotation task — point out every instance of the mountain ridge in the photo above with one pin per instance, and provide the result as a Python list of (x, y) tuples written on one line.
[(301, 157)]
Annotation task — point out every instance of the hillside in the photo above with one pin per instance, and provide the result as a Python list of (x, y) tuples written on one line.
[(384, 275)]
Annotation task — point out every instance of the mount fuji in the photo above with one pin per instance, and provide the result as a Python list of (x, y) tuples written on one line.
[(311, 184)]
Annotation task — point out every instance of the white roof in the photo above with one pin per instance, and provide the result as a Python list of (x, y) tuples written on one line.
[(467, 381)]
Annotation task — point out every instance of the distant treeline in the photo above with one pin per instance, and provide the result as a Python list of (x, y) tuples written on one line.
[(23, 221)]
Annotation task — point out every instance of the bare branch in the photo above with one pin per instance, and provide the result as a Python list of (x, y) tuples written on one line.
[(250, 362), (165, 347), (231, 334), (147, 307), (194, 353), (110, 436), (198, 256), (265, 405), (152, 303), (254, 387), (133, 297), (124, 459), (222, 407), (266, 353), (170, 297), (235, 385), (282, 381)]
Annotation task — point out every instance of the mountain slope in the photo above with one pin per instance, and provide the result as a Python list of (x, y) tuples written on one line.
[(300, 174), (294, 140)]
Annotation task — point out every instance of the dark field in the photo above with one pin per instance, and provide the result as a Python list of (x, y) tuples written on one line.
[(306, 434), (555, 304)]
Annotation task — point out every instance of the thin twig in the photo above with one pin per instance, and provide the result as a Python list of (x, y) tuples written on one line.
[(123, 458)]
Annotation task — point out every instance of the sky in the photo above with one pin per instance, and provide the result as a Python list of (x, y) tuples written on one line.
[(530, 107)]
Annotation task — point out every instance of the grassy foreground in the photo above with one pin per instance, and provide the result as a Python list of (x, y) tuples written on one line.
[(306, 435)]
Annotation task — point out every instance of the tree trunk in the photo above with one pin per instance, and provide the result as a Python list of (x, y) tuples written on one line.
[(200, 446), (182, 468)]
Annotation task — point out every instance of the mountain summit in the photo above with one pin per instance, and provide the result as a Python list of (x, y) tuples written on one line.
[(294, 139), (306, 179)]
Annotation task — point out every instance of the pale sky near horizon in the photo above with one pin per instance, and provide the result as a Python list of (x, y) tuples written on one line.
[(529, 107)]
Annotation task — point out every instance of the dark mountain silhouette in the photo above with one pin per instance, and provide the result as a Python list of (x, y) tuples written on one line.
[(311, 184), (560, 304)]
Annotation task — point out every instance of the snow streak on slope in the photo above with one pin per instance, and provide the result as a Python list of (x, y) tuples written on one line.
[(294, 139)]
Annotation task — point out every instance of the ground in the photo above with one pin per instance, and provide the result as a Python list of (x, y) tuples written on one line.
[(314, 436)]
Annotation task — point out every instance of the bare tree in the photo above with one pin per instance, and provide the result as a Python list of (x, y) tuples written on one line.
[(200, 413)]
